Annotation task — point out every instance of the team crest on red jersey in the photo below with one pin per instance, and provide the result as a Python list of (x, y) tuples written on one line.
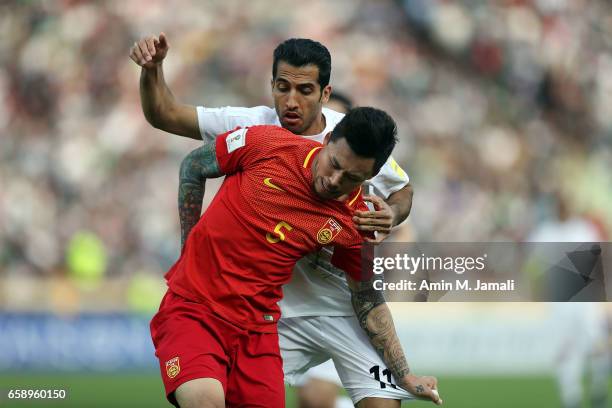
[(328, 232), (173, 367)]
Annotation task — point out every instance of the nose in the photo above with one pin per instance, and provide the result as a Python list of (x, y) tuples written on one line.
[(292, 100), (334, 180)]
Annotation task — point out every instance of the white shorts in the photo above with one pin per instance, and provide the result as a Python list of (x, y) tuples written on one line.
[(307, 342), (324, 371)]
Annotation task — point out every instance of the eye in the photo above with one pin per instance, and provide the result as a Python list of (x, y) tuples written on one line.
[(306, 89)]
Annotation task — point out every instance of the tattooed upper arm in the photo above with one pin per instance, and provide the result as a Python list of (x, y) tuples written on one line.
[(199, 165)]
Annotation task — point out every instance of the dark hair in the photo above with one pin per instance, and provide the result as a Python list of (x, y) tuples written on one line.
[(342, 99), (369, 132), (302, 51)]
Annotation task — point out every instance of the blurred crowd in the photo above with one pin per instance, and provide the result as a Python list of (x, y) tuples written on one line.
[(504, 111)]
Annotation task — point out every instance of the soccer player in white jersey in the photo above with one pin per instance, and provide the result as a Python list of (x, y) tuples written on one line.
[(320, 385), (322, 318)]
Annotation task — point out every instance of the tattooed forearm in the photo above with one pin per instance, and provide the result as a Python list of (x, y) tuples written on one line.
[(375, 318), (199, 165)]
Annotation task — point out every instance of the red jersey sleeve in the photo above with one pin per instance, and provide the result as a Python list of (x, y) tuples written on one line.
[(239, 148), (356, 261)]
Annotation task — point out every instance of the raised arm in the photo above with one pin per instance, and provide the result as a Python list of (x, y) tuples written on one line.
[(375, 319), (199, 165), (159, 106)]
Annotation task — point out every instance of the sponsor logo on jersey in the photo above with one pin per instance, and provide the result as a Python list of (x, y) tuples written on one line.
[(236, 140), (328, 232), (268, 182), (172, 367)]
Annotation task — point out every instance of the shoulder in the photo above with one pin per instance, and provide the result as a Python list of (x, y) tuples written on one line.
[(259, 115), (268, 115), (332, 118)]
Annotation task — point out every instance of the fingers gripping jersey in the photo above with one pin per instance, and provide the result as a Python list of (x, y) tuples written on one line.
[(263, 219)]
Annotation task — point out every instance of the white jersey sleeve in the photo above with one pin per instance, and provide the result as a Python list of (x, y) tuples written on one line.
[(390, 178), (214, 121)]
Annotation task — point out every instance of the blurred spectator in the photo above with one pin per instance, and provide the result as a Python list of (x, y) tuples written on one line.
[(564, 227), (583, 350)]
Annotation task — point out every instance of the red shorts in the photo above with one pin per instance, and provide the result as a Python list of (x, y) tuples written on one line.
[(191, 342)]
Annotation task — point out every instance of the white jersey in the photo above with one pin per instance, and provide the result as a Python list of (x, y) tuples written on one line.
[(317, 288)]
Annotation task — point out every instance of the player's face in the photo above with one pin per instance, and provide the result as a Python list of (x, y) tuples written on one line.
[(298, 98), (337, 170)]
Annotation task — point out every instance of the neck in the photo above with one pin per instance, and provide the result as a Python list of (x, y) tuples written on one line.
[(318, 126)]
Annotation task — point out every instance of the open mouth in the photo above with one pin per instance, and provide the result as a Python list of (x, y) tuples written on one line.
[(291, 117)]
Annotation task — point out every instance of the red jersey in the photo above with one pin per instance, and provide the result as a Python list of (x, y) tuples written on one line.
[(264, 218)]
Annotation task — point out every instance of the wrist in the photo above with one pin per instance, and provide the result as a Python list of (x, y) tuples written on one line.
[(406, 379), (153, 68)]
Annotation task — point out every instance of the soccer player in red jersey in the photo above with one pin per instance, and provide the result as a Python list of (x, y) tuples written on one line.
[(283, 197)]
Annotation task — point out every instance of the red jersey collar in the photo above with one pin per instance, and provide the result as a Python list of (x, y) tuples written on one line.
[(310, 156)]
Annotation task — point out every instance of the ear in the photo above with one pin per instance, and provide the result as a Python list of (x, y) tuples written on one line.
[(327, 137), (325, 93), (272, 83)]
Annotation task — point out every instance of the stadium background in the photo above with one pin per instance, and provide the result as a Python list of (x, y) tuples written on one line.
[(505, 115)]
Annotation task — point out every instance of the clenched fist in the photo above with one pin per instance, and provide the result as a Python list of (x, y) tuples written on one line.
[(150, 51)]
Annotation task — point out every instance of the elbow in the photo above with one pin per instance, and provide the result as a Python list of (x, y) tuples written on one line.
[(154, 119), (407, 194), (158, 115)]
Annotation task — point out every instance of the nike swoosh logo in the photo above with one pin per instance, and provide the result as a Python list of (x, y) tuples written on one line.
[(268, 183)]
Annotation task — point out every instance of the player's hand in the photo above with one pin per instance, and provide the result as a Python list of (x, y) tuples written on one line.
[(425, 387), (379, 221), (148, 52)]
